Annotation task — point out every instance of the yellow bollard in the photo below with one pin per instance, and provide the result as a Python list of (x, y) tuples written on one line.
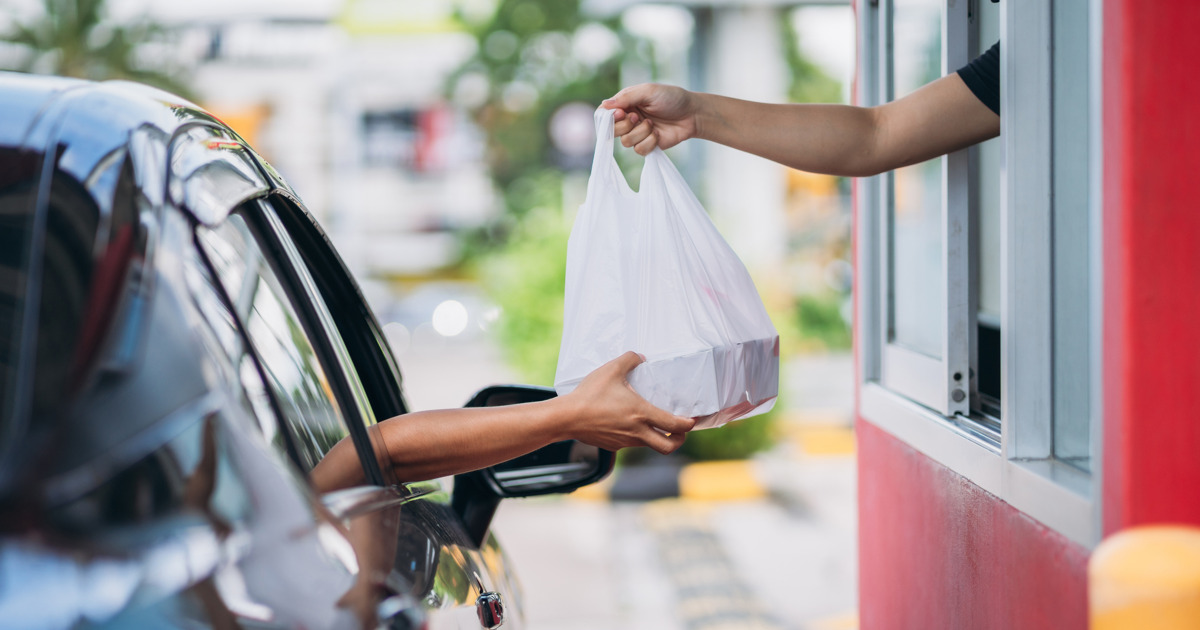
[(1146, 577)]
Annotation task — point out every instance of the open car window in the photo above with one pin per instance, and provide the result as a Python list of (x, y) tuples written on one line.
[(310, 375), (293, 371)]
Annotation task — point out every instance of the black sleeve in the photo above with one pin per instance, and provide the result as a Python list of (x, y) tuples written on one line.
[(982, 75)]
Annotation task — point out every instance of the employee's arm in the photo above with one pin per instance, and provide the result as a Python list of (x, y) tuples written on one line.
[(940, 117)]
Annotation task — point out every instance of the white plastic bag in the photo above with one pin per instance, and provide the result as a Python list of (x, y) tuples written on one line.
[(647, 271)]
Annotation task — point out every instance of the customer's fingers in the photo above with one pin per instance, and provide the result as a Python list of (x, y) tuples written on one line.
[(668, 423), (627, 361), (665, 444)]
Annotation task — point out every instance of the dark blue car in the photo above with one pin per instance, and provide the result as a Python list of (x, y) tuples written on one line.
[(179, 346)]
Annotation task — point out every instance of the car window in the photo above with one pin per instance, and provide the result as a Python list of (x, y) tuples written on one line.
[(294, 372), (220, 322), (70, 270), (362, 378), (18, 185)]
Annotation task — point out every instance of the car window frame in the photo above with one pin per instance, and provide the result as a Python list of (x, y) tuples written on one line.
[(363, 337), (256, 214), (245, 348), (356, 322)]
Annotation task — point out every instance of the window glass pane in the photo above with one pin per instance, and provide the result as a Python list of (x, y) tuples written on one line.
[(220, 322), (988, 24), (1072, 269), (989, 232), (986, 202), (989, 335), (17, 190), (294, 372), (917, 312)]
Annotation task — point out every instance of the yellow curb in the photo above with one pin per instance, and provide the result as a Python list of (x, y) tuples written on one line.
[(848, 621), (824, 440), (719, 481)]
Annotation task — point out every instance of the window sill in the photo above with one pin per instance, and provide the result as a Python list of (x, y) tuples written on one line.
[(1054, 493)]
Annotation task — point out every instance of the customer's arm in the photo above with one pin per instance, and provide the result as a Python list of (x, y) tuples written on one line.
[(603, 411), (938, 118)]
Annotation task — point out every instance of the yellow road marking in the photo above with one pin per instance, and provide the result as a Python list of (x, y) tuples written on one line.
[(720, 481), (823, 439)]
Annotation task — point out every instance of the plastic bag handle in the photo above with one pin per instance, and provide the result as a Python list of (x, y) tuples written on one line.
[(604, 162), (656, 170)]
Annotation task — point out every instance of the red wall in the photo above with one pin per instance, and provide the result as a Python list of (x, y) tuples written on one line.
[(1152, 263), (936, 552)]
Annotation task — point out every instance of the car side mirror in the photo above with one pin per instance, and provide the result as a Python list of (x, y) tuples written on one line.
[(559, 467), (554, 468)]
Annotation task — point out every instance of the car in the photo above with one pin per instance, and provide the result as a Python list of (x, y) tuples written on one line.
[(180, 345)]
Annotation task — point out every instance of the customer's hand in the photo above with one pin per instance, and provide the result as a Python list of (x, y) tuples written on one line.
[(651, 114), (605, 411)]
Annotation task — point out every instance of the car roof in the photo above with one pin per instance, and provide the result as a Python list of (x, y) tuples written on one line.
[(27, 98), (110, 113), (22, 98)]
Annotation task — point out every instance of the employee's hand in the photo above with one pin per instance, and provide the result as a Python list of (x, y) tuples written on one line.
[(651, 114), (605, 411)]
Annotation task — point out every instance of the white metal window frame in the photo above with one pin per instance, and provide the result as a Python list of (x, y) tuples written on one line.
[(940, 383), (1021, 470)]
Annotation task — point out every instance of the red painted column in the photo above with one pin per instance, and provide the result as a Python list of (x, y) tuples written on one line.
[(1151, 263)]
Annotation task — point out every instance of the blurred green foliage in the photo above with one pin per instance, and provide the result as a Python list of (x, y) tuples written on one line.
[(526, 56), (76, 38), (737, 440), (820, 323), (810, 84), (526, 279)]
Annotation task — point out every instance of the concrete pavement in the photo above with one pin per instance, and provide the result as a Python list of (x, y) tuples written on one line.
[(787, 560)]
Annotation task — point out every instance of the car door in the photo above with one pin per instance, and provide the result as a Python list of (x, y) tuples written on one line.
[(327, 391)]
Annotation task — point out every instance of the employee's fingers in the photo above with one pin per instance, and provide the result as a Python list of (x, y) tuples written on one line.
[(628, 98), (623, 127), (637, 134), (646, 146)]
